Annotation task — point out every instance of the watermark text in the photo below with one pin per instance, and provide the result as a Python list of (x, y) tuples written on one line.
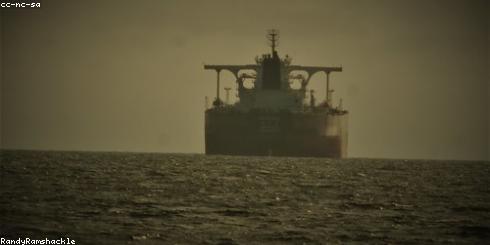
[(45, 241), (20, 5)]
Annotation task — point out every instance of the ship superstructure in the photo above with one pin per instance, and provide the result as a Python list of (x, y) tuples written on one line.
[(271, 117)]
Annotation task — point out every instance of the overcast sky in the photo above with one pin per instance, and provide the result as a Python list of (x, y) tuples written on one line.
[(128, 75)]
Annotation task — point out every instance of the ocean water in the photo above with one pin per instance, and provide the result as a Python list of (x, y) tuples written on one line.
[(129, 198)]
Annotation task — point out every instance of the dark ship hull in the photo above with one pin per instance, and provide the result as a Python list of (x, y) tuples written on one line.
[(300, 134)]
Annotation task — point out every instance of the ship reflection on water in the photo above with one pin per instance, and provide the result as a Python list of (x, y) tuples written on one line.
[(115, 198)]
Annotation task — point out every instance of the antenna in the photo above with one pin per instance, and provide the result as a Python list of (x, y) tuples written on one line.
[(273, 37)]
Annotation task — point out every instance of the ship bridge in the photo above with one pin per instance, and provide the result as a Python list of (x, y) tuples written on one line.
[(272, 78)]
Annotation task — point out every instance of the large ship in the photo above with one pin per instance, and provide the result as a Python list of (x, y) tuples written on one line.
[(272, 117)]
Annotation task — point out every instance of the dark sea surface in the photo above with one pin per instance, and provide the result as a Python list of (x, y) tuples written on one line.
[(130, 198)]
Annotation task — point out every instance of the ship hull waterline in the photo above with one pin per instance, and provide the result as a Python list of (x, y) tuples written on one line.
[(313, 134)]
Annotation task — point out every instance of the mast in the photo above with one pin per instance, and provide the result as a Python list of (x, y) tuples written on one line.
[(273, 37)]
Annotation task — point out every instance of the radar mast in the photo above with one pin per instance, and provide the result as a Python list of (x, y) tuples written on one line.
[(273, 37)]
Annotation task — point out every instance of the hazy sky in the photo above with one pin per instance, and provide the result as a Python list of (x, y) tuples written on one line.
[(128, 75)]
